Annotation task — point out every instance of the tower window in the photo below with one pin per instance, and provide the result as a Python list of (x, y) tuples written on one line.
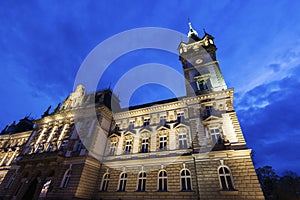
[(145, 145), (162, 181), (202, 85), (122, 182), (105, 181), (185, 180), (182, 141), (163, 142), (141, 181), (225, 178)]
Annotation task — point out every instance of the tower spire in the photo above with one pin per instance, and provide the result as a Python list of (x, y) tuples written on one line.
[(192, 34)]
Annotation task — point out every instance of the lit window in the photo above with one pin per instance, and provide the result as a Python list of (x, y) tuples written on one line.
[(147, 122), (180, 117), (105, 181), (141, 181), (45, 188), (66, 179), (122, 182), (128, 146), (182, 141), (185, 178), (163, 142), (163, 119), (215, 135), (162, 181), (112, 148), (225, 178), (145, 145)]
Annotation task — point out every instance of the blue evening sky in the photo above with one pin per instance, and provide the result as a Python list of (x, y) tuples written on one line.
[(43, 44)]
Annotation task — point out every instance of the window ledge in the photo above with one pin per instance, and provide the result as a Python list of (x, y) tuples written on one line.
[(229, 192)]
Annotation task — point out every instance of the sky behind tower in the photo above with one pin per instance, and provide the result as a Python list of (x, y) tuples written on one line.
[(43, 44)]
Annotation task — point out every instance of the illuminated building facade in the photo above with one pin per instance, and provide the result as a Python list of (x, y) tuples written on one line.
[(187, 148)]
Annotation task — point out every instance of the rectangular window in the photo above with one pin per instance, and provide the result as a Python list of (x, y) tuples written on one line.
[(180, 117), (145, 145), (208, 110), (112, 148), (147, 122), (131, 125), (215, 135), (182, 141), (163, 120), (163, 142), (128, 146), (117, 128), (202, 85)]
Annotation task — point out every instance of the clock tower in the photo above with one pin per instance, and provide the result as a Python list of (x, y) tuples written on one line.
[(201, 69)]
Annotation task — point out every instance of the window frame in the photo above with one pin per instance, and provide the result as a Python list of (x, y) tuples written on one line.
[(128, 144), (122, 182), (66, 179), (186, 177), (105, 182), (141, 181), (164, 181), (145, 144), (225, 175), (214, 136), (182, 139), (165, 142)]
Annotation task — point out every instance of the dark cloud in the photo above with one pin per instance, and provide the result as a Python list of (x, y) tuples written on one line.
[(273, 130)]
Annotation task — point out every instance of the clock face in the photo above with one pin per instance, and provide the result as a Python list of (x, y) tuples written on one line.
[(199, 61)]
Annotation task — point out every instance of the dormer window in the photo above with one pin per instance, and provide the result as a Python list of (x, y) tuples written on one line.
[(180, 117), (131, 125), (146, 121), (163, 119), (211, 41)]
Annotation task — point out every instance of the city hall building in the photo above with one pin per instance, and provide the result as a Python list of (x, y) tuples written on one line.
[(183, 148)]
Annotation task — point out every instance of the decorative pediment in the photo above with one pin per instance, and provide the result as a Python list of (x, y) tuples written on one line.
[(163, 128), (178, 125), (212, 118), (146, 129), (130, 132)]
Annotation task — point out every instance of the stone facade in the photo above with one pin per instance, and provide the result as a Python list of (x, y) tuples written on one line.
[(186, 148)]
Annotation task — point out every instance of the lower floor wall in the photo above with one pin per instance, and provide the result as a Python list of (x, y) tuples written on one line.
[(187, 177)]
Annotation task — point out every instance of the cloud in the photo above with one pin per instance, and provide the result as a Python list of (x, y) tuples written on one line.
[(272, 129)]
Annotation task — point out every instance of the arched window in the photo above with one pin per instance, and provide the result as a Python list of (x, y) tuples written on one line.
[(66, 179), (162, 180), (185, 180), (105, 181), (122, 182), (225, 178), (141, 181)]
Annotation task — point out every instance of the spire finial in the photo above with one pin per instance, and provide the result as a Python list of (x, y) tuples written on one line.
[(204, 31), (190, 24)]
